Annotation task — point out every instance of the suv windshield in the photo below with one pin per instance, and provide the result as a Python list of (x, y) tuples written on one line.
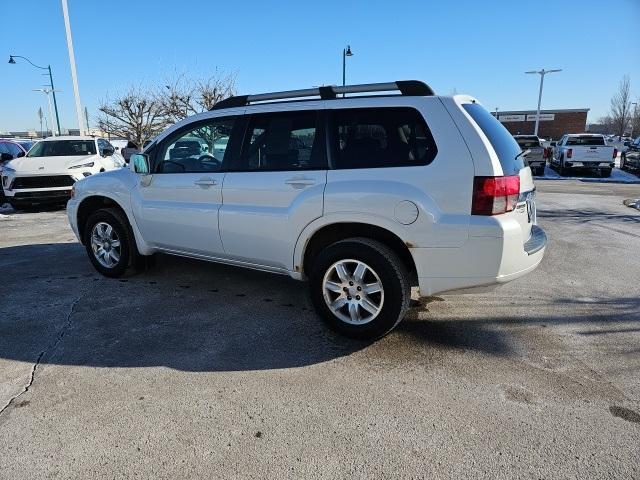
[(501, 140), (586, 140), (63, 148), (530, 142)]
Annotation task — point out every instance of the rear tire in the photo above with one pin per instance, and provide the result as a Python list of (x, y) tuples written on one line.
[(109, 242), (360, 287)]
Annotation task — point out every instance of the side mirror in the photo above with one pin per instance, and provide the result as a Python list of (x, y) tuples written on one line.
[(627, 143), (139, 163), (5, 157), (107, 152)]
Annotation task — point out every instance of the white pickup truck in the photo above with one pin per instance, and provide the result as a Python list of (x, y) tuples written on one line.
[(584, 151)]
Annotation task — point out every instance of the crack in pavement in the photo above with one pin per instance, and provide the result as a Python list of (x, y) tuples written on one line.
[(51, 348)]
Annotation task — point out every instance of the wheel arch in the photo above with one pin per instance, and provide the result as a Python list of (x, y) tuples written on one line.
[(323, 235), (91, 204)]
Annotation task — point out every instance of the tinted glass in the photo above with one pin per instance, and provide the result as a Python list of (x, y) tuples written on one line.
[(586, 140), (381, 137), (200, 149), (282, 141), (63, 148), (528, 142), (505, 146), (14, 149), (26, 145)]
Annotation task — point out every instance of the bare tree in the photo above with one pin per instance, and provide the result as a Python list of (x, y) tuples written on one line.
[(621, 107), (135, 115), (182, 98)]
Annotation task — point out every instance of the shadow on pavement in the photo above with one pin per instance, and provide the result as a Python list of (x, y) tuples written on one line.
[(196, 316)]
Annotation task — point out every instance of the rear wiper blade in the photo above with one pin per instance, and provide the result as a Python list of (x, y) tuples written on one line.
[(523, 153)]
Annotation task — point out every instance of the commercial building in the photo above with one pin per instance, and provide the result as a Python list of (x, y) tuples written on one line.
[(553, 123)]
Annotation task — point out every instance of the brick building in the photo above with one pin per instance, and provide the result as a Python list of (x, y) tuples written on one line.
[(553, 123)]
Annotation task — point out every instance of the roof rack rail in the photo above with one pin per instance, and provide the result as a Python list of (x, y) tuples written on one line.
[(406, 87)]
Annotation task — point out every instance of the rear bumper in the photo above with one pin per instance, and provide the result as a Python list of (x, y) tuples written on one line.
[(482, 261)]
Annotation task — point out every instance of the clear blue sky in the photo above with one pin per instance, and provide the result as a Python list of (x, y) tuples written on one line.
[(472, 46)]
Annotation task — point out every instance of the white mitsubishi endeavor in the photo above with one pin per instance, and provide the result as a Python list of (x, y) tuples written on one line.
[(363, 195)]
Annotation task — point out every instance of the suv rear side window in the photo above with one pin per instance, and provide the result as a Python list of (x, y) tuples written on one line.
[(282, 141), (501, 140), (381, 137)]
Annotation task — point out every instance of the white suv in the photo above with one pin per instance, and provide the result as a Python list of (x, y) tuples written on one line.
[(47, 173), (364, 196)]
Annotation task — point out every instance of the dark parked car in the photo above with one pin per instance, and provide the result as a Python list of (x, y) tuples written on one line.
[(630, 159)]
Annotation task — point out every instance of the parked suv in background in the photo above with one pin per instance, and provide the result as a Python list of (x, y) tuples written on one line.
[(47, 173), (535, 158), (364, 196)]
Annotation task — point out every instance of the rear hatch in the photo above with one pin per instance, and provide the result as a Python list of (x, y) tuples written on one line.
[(520, 203)]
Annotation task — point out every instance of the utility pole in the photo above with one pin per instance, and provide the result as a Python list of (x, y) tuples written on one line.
[(633, 118), (40, 117), (86, 117), (72, 61), (542, 73)]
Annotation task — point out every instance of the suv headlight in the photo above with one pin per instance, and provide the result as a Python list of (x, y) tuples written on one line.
[(84, 165)]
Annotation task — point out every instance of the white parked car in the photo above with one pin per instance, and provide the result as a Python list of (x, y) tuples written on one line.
[(47, 173), (363, 196)]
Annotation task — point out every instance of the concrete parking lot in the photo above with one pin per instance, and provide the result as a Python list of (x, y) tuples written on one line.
[(199, 370)]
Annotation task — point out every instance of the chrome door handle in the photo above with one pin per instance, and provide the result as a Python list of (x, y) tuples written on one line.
[(300, 182), (205, 182)]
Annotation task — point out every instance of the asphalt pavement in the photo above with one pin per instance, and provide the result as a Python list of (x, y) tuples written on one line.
[(195, 370)]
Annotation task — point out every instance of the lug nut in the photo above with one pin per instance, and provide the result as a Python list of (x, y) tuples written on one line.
[(359, 289), (357, 297), (349, 297), (345, 289), (351, 284)]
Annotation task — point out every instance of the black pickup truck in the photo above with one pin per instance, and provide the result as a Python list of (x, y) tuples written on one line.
[(630, 160)]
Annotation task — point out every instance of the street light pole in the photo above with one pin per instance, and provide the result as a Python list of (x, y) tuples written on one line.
[(48, 67), (46, 91), (542, 73), (346, 52), (72, 61)]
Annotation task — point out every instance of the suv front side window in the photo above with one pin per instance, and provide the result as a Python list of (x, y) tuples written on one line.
[(201, 148), (381, 137), (282, 141)]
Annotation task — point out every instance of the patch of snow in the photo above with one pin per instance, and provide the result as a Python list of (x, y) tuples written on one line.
[(617, 176)]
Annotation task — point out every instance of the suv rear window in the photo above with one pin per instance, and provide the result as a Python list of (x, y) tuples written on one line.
[(381, 137), (593, 141), (501, 140), (530, 142)]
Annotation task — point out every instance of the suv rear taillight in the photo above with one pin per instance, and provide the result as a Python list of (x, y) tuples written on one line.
[(570, 153), (615, 153), (495, 195)]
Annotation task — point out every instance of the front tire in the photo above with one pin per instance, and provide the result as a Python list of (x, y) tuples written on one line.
[(360, 287), (109, 242)]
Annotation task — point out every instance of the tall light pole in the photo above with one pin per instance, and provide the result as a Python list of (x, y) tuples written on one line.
[(72, 61), (53, 90), (542, 73), (47, 91), (346, 52), (633, 118)]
